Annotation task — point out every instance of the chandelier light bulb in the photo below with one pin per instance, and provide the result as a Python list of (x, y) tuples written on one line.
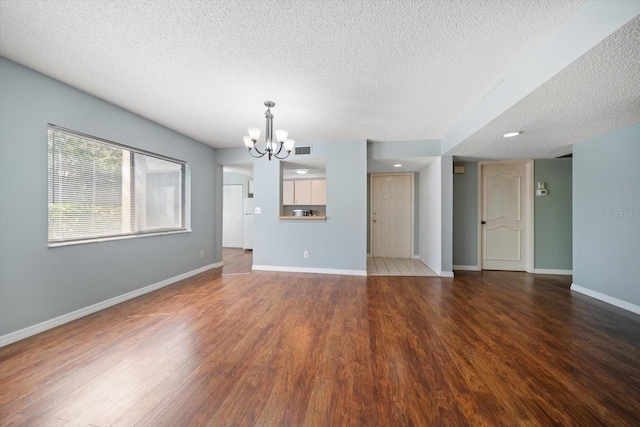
[(288, 144), (281, 135), (254, 133)]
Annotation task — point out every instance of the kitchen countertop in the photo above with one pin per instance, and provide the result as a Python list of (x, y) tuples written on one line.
[(304, 218)]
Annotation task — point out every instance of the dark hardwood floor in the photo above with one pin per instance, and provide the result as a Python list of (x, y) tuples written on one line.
[(276, 349)]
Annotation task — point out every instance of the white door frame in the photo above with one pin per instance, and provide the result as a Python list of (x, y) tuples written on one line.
[(529, 199), (413, 192)]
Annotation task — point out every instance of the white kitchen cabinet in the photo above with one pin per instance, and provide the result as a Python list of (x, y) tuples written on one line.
[(319, 192), (288, 197), (302, 191)]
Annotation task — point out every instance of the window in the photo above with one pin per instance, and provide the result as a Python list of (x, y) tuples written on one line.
[(102, 190)]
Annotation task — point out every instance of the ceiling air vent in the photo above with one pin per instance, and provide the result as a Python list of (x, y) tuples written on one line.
[(303, 151)]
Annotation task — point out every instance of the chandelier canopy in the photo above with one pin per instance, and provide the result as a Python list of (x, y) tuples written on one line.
[(271, 148)]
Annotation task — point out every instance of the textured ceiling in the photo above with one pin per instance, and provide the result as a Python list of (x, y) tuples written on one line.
[(597, 93), (337, 70)]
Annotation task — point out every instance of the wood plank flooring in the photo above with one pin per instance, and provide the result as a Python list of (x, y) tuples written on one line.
[(227, 348)]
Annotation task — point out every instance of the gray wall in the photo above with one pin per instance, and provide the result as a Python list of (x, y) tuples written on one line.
[(381, 150), (465, 215), (446, 182), (340, 242), (38, 283), (606, 214), (552, 222)]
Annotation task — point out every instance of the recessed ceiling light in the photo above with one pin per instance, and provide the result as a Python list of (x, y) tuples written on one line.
[(512, 134), (302, 171), (397, 165)]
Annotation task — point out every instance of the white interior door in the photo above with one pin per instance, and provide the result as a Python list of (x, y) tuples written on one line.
[(504, 217), (392, 215), (232, 216)]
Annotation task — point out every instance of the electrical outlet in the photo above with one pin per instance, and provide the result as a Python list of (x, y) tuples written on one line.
[(305, 254), (201, 254)]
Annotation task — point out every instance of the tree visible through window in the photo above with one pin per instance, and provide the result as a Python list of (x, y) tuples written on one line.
[(98, 189)]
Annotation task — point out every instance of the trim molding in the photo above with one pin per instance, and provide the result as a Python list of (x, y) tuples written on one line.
[(606, 298), (309, 270), (552, 271), (467, 268), (416, 256), (446, 274), (29, 331)]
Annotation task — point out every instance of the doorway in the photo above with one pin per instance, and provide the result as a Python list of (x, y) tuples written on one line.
[(506, 216), (392, 215)]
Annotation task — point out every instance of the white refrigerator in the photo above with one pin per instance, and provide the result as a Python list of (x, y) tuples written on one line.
[(247, 224)]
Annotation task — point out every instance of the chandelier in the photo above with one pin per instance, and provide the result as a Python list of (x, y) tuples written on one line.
[(271, 147)]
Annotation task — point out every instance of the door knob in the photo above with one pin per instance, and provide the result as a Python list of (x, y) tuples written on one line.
[(483, 222)]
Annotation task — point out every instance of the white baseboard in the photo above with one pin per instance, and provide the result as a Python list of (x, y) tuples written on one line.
[(446, 274), (21, 334), (467, 268), (551, 271), (606, 298), (309, 270)]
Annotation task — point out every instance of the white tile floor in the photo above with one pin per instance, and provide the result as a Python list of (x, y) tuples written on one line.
[(397, 267)]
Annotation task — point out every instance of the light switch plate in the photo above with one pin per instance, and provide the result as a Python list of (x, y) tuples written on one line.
[(257, 211)]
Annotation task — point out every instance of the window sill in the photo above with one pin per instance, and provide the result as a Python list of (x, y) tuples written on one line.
[(112, 238)]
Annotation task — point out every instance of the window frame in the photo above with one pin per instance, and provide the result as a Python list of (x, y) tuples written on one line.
[(185, 191)]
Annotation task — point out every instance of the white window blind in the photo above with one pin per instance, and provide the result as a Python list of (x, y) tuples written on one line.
[(99, 189)]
